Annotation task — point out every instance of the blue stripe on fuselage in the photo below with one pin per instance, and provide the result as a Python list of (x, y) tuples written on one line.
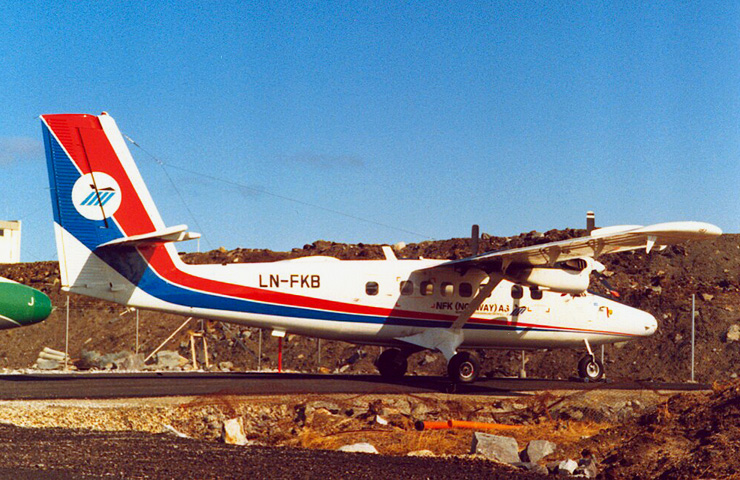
[(156, 286)]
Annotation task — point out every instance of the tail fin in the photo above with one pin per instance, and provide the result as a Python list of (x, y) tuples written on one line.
[(100, 203)]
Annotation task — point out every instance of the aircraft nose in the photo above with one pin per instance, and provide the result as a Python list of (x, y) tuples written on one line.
[(22, 305), (41, 307), (650, 324)]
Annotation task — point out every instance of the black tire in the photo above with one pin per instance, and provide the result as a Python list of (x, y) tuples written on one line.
[(590, 368), (464, 367), (392, 363)]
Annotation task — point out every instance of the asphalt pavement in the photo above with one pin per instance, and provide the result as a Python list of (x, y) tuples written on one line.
[(129, 385)]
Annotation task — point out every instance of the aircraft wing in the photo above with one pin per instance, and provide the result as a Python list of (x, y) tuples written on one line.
[(600, 241)]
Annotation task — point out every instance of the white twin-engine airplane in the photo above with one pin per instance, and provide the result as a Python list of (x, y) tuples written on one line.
[(113, 245)]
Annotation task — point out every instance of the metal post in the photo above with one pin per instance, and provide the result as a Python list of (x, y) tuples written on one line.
[(474, 239), (693, 321), (318, 354), (280, 354), (590, 222), (259, 354), (602, 354), (523, 371), (66, 338), (137, 331)]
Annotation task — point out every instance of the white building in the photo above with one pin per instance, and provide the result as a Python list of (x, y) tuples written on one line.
[(10, 241)]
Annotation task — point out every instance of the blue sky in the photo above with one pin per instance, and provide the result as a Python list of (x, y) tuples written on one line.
[(412, 120)]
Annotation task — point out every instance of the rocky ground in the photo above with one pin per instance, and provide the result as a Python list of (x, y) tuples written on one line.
[(644, 436)]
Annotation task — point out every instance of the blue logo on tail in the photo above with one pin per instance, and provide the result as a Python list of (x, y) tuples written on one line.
[(96, 196), (100, 197)]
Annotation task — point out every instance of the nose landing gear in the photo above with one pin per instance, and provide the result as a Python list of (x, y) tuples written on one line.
[(590, 368)]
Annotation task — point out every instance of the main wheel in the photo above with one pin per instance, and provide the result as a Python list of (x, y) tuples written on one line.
[(392, 363), (464, 367), (590, 368)]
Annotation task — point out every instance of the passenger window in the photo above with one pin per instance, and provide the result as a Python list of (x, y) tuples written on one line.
[(447, 289), (535, 293), (465, 290), (407, 288), (427, 288), (517, 292), (371, 288)]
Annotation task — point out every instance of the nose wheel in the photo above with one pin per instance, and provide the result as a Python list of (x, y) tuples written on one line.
[(392, 363), (464, 367), (590, 368)]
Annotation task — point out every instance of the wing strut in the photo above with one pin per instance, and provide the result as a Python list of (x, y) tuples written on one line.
[(483, 293), (448, 339)]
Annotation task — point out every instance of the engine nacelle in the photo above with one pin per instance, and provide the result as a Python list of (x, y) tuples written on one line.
[(556, 279)]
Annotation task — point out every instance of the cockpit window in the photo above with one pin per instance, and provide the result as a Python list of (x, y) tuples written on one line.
[(407, 287), (535, 293)]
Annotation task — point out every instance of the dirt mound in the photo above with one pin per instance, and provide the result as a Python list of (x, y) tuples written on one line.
[(661, 283), (688, 436)]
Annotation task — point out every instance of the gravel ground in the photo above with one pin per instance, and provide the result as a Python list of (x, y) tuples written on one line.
[(64, 453)]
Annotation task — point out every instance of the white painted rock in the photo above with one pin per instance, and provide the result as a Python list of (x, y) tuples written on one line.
[(421, 453), (362, 447), (234, 432)]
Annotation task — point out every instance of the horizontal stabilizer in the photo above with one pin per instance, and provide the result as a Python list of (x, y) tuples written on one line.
[(172, 234)]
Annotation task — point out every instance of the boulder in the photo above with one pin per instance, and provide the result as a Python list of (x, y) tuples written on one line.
[(587, 467), (131, 361), (567, 467), (169, 360), (234, 432), (48, 364), (362, 447), (397, 405), (496, 447), (330, 407), (733, 333), (89, 359), (532, 467), (421, 453), (538, 449)]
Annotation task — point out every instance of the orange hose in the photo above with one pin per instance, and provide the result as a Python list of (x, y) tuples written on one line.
[(480, 425), (420, 425)]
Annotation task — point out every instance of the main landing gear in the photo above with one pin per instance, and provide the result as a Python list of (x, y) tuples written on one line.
[(392, 363), (463, 367)]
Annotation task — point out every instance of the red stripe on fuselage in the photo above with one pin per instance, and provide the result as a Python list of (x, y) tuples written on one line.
[(84, 139), (160, 260)]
